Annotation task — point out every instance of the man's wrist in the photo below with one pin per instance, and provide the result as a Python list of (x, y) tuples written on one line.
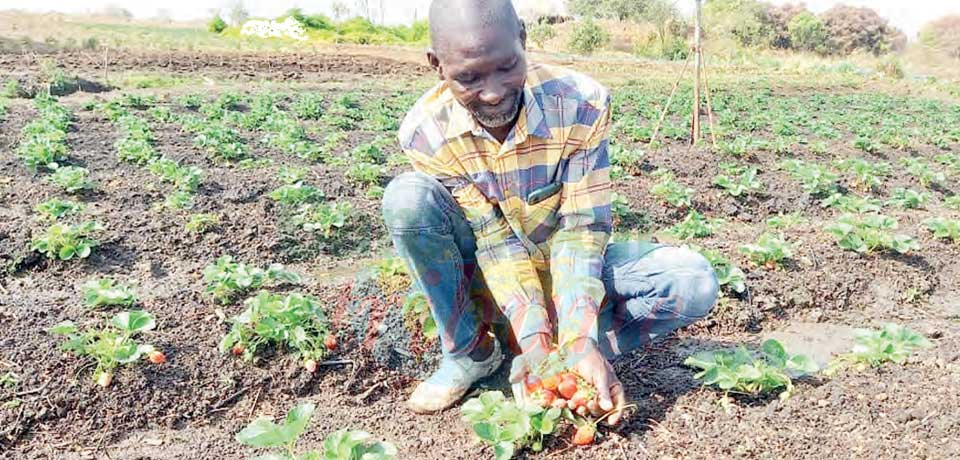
[(540, 341)]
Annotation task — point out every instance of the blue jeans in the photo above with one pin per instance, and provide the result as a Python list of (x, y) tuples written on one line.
[(650, 289)]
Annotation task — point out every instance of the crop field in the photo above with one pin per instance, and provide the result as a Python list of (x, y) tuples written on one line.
[(178, 261)]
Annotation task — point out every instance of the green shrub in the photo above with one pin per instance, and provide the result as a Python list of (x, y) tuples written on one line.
[(587, 37), (216, 25), (541, 34), (807, 33)]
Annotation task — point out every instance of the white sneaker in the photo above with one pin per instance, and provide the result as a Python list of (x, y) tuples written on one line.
[(452, 380)]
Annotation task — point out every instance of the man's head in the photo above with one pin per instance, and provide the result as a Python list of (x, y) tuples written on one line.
[(478, 48)]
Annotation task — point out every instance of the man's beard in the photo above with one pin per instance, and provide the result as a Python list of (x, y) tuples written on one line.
[(497, 120)]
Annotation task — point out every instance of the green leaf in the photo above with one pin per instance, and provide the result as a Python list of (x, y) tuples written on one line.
[(503, 451), (486, 431), (262, 432), (134, 321), (297, 419), (64, 328), (774, 349)]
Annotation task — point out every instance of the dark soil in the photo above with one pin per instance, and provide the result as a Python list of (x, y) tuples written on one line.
[(191, 406)]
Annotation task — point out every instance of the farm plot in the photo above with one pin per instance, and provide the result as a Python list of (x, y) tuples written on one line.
[(196, 231)]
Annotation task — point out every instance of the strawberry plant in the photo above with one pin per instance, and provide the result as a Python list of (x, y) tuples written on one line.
[(106, 292), (295, 322), (370, 152), (783, 221), (866, 174), (695, 225), (738, 181), (907, 198), (296, 194), (190, 101), (177, 199), (769, 251), (324, 218), (627, 160), (112, 345), (417, 315), (944, 228), (72, 178), (309, 106), (851, 203), (728, 275), (290, 175), (743, 372), (56, 208), (508, 426), (183, 178), (815, 179), (670, 191), (67, 241), (365, 174), (282, 438), (221, 142), (952, 202), (44, 144), (893, 343), (201, 223), (920, 169), (226, 280), (867, 233)]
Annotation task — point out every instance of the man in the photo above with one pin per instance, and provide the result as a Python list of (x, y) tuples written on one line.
[(511, 197)]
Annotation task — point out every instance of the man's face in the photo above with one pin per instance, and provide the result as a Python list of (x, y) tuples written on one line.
[(486, 73)]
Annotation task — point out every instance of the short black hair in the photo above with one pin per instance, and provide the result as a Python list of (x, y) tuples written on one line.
[(461, 16)]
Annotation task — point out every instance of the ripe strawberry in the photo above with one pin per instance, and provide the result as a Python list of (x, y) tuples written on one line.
[(546, 397), (157, 357), (568, 376), (310, 365), (580, 398), (567, 388), (330, 342), (584, 435), (551, 382), (237, 349), (770, 265), (105, 379), (533, 383)]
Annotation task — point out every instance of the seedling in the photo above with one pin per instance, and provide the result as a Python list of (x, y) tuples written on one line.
[(628, 160), (417, 315), (309, 106), (184, 178), (867, 233), (106, 292), (137, 151), (44, 144), (739, 182), (728, 275), (112, 345), (226, 280), (742, 372), (67, 241), (295, 322), (178, 199), (282, 438), (619, 207), (908, 198), (695, 225), (370, 152), (921, 170), (851, 203), (324, 218), (952, 202), (72, 178), (815, 179), (670, 191), (365, 174), (289, 175), (893, 343), (296, 194), (508, 426), (866, 174), (202, 223), (56, 208), (944, 228), (769, 251), (221, 142), (784, 221)]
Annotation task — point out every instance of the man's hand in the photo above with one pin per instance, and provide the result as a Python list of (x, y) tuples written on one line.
[(535, 350), (585, 358)]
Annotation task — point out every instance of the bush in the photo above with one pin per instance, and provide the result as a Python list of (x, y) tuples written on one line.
[(778, 20), (745, 21), (216, 25), (943, 34), (587, 37), (541, 33), (315, 21), (860, 29), (807, 33)]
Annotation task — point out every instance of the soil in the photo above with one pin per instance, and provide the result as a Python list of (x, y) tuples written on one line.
[(192, 406)]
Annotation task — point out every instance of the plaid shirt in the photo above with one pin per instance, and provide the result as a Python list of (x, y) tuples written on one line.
[(560, 137)]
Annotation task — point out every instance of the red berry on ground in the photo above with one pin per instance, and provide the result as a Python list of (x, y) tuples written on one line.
[(310, 365), (567, 388), (584, 435), (330, 342), (105, 379), (157, 357), (237, 349)]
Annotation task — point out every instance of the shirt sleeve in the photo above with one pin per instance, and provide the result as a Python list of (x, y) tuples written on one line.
[(577, 248), (501, 256)]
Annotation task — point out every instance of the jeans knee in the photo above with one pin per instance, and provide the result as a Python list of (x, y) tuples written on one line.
[(702, 288), (411, 201)]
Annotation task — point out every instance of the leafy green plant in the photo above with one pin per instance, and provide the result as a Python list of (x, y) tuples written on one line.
[(815, 179), (866, 174), (921, 170), (944, 228), (202, 223), (294, 322), (728, 275), (183, 178), (112, 345), (226, 279), (309, 106), (106, 292), (851, 203), (738, 181), (221, 142), (695, 225), (340, 445), (893, 343), (952, 202), (325, 218), (365, 174), (508, 426), (908, 198), (417, 315), (867, 233), (190, 101), (627, 160), (769, 251), (72, 178), (296, 194), (177, 199), (67, 241), (783, 221), (670, 191), (44, 144), (742, 372), (56, 208)]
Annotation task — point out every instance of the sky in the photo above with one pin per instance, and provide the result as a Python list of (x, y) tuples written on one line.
[(907, 15)]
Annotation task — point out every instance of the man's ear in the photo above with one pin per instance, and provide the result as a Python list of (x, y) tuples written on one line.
[(523, 34), (434, 62)]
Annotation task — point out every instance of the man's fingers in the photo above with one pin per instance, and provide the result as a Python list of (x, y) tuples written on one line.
[(620, 400), (594, 408), (603, 390), (518, 370)]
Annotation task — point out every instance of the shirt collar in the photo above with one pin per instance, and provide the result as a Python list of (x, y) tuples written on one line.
[(532, 123)]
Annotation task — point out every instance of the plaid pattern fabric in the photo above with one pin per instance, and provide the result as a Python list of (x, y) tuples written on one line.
[(560, 137)]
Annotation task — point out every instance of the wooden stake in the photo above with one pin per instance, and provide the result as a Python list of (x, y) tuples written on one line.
[(695, 135)]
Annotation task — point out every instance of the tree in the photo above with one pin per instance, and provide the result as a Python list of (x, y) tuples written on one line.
[(541, 33), (859, 29), (745, 21), (779, 18), (665, 17), (943, 34), (217, 25), (587, 37), (807, 33), (607, 9)]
